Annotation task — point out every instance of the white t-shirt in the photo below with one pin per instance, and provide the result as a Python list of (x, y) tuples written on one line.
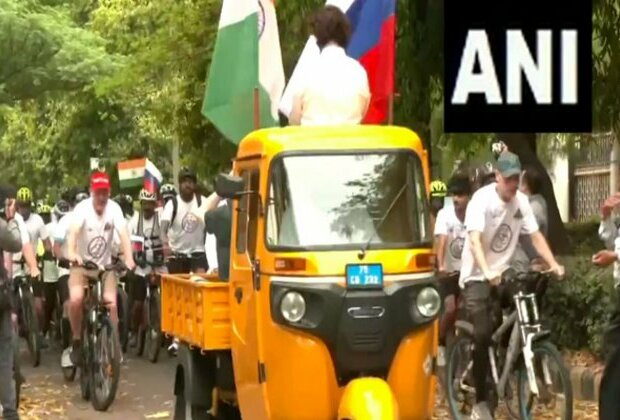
[(501, 224), (96, 236), (449, 225), (50, 268), (335, 91), (35, 226), (60, 237), (148, 226), (186, 232)]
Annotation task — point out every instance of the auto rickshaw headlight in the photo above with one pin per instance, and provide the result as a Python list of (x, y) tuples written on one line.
[(293, 306), (428, 302)]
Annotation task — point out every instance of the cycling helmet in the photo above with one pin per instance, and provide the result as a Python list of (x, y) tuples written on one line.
[(44, 209), (187, 173), (81, 196), (128, 199), (61, 208), (438, 189), (146, 195), (168, 190), (24, 195)]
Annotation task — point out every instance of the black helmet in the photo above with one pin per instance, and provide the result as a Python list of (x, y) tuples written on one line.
[(187, 173), (459, 184)]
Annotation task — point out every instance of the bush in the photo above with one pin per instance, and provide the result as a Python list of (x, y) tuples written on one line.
[(583, 237), (577, 309)]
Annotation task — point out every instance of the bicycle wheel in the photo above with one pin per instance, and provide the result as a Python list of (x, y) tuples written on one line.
[(459, 389), (86, 363), (18, 379), (154, 335), (106, 365), (554, 386), (31, 325), (123, 319)]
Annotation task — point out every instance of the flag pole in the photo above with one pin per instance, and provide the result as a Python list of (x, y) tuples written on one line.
[(256, 109)]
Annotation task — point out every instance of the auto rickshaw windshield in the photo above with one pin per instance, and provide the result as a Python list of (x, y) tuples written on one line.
[(345, 200)]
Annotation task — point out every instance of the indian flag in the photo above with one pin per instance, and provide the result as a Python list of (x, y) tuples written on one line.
[(131, 173), (246, 56)]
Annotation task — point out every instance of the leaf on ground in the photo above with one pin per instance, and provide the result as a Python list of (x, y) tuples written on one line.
[(158, 415)]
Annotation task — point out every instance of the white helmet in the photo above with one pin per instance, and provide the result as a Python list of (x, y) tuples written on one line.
[(167, 190), (146, 195)]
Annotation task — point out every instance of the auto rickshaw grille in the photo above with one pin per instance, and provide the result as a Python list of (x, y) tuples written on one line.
[(367, 341)]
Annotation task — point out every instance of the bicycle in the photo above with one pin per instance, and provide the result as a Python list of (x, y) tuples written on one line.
[(27, 315), (518, 360), (18, 378), (150, 336), (100, 357), (124, 313)]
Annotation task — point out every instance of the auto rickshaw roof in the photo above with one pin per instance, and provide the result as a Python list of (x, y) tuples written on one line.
[(272, 141)]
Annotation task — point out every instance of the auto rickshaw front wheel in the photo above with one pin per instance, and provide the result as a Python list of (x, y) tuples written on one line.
[(368, 399), (183, 410)]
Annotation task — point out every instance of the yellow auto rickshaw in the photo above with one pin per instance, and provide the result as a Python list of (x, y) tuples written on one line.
[(330, 308)]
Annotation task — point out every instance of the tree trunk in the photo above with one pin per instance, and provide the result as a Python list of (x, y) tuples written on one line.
[(524, 145)]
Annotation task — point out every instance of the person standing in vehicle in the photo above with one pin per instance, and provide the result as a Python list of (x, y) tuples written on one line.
[(450, 238), (182, 226), (336, 90), (218, 224), (11, 240), (145, 233), (496, 215)]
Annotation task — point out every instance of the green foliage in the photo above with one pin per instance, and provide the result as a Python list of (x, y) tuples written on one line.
[(583, 237), (577, 309)]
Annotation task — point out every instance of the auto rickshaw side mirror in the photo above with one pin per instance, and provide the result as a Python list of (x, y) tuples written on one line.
[(229, 186)]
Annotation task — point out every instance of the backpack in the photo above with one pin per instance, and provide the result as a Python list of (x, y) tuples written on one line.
[(175, 205)]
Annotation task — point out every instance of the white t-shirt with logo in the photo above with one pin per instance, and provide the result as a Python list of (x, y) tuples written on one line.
[(35, 227), (96, 236), (449, 225), (186, 232), (500, 224), (60, 237), (50, 268), (148, 226)]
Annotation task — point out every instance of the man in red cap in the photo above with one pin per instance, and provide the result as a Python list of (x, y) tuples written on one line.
[(93, 224)]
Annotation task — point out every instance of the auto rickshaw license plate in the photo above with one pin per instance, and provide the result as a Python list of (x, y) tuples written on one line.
[(364, 276)]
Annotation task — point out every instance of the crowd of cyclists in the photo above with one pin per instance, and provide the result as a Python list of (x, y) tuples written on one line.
[(86, 235)]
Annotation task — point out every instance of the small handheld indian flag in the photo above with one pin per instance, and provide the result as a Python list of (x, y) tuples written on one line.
[(131, 173), (152, 177)]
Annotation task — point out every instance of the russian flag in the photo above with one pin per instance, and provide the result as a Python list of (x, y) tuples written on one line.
[(372, 43), (152, 177)]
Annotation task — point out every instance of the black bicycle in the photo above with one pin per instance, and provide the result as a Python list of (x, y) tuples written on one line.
[(28, 322), (18, 378), (150, 336), (100, 361), (124, 313)]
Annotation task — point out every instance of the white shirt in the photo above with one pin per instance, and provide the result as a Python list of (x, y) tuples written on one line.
[(610, 234), (60, 237), (50, 268), (148, 226), (335, 90), (35, 228), (186, 232), (449, 225), (96, 236), (500, 224)]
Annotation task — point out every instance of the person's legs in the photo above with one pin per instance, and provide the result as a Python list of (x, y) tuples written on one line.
[(199, 263), (63, 294), (77, 278), (139, 294), (477, 296), (611, 339), (109, 295), (7, 386), (39, 305), (50, 291)]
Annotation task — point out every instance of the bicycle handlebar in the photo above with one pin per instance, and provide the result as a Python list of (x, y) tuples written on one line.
[(117, 265)]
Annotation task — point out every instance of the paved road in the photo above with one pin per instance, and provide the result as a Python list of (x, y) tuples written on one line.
[(145, 391)]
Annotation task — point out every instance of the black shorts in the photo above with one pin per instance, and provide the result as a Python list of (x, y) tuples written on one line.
[(38, 288), (449, 286), (137, 288), (63, 288), (178, 264)]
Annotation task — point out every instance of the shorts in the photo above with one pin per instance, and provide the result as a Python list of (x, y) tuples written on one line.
[(79, 274), (449, 286), (137, 288), (184, 264), (62, 287)]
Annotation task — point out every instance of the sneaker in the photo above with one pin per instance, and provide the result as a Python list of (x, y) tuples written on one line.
[(173, 348), (481, 412), (76, 353), (65, 359), (441, 356)]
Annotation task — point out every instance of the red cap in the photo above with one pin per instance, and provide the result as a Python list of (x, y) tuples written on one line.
[(99, 181)]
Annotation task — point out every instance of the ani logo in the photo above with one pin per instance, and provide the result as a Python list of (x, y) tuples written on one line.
[(261, 19)]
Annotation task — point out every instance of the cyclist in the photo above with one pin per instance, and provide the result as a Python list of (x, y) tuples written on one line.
[(93, 223), (50, 268), (495, 216), (450, 236), (145, 233), (36, 231), (167, 192), (437, 198), (11, 240)]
